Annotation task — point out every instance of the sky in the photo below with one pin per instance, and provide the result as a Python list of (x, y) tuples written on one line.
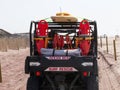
[(16, 15)]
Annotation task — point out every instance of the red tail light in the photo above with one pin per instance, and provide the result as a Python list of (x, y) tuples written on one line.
[(38, 73), (85, 74)]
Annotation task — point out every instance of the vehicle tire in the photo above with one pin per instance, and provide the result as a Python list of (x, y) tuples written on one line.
[(33, 83), (92, 83)]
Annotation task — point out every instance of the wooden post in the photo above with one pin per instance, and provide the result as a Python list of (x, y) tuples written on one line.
[(107, 43), (5, 44), (114, 44), (0, 74), (17, 43), (101, 41), (115, 38)]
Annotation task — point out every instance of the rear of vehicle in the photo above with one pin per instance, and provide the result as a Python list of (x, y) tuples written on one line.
[(60, 65)]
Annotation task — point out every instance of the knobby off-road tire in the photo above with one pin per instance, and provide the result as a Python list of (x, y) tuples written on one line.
[(92, 83), (33, 83)]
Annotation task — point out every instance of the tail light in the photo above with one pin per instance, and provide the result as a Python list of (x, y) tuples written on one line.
[(85, 74), (38, 73)]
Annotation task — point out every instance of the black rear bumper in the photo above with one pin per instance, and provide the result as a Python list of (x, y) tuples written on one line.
[(37, 63)]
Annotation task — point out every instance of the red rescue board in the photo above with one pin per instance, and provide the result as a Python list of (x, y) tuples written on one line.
[(84, 30), (41, 32)]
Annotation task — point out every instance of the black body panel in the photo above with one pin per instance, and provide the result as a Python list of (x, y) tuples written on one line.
[(75, 62)]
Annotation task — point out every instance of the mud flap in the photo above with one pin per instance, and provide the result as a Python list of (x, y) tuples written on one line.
[(27, 66)]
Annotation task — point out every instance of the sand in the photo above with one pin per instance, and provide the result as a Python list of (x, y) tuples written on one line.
[(14, 78), (12, 63)]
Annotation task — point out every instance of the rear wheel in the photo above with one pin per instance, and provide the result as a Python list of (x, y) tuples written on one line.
[(33, 83), (92, 83)]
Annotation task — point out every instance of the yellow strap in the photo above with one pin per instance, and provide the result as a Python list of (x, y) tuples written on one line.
[(78, 39), (45, 38), (38, 39), (86, 38)]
